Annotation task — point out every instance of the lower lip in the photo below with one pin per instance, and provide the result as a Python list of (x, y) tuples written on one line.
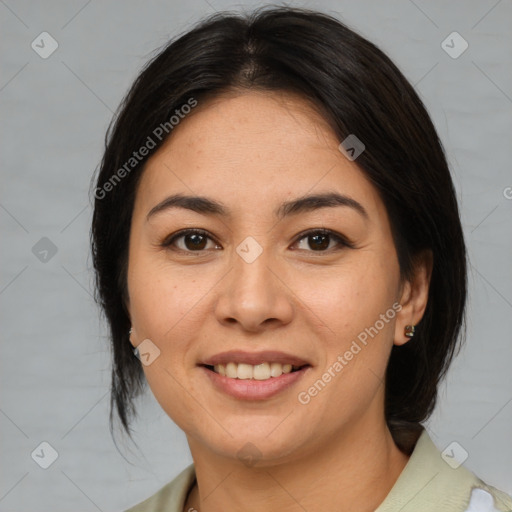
[(252, 389)]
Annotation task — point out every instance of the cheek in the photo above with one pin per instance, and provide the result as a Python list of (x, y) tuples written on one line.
[(169, 307), (352, 297), (163, 300), (165, 308), (357, 305)]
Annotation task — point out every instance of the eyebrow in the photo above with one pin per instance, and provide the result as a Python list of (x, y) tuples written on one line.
[(207, 206)]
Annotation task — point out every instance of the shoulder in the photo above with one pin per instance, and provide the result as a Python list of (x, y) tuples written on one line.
[(434, 481), (171, 497)]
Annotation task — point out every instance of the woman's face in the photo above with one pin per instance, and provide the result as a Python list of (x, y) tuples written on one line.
[(262, 276)]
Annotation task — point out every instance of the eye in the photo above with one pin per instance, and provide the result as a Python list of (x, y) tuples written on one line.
[(319, 240), (196, 240), (190, 240)]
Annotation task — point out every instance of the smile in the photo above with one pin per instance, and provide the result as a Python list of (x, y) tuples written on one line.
[(263, 371)]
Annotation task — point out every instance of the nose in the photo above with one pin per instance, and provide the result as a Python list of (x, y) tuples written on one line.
[(254, 295)]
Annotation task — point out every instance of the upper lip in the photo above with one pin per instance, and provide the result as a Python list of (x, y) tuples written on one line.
[(253, 358)]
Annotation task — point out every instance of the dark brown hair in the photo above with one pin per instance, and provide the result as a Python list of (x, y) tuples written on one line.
[(358, 90)]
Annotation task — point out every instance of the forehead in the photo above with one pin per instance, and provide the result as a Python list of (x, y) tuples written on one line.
[(250, 149), (266, 126)]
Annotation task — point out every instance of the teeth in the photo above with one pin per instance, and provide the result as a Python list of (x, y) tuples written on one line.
[(261, 371), (245, 371)]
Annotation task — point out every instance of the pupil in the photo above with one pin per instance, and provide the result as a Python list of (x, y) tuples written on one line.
[(198, 241), (323, 239)]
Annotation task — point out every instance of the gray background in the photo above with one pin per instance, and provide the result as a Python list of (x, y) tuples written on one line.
[(54, 113)]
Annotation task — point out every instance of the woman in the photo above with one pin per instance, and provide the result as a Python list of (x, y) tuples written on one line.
[(276, 238)]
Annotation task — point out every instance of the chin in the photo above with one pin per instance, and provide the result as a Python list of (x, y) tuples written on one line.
[(256, 450)]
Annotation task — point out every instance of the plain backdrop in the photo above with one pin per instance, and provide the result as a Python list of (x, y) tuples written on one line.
[(55, 360)]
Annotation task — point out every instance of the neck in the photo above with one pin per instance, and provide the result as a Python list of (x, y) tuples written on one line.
[(355, 471)]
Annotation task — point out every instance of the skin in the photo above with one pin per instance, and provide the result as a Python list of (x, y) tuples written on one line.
[(252, 151)]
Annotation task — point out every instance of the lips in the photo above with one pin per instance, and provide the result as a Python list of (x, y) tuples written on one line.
[(254, 389), (254, 358), (254, 375)]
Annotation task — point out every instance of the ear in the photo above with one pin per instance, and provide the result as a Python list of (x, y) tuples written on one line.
[(414, 296), (133, 337)]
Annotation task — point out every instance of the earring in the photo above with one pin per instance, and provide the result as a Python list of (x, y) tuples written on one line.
[(409, 331)]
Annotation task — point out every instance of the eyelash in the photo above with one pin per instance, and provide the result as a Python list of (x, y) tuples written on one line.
[(341, 240)]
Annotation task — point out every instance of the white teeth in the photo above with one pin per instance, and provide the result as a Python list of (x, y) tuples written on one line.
[(245, 371), (276, 369), (230, 370), (261, 371)]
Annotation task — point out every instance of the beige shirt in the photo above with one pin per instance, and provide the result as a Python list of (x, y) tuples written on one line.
[(426, 484)]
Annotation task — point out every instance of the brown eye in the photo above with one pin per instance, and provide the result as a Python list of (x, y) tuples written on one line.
[(190, 240), (194, 241), (320, 240)]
